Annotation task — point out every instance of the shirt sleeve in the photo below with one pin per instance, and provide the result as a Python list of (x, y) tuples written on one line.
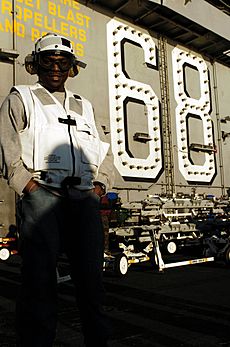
[(106, 172), (12, 120)]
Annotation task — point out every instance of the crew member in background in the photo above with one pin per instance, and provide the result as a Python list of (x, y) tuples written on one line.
[(51, 153)]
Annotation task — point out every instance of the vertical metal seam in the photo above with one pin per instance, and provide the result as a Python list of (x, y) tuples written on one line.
[(166, 121)]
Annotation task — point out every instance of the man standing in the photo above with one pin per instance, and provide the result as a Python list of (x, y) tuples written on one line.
[(51, 154)]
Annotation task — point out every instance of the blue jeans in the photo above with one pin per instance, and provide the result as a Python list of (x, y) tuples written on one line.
[(47, 223)]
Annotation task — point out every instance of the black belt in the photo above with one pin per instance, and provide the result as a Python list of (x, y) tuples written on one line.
[(70, 181)]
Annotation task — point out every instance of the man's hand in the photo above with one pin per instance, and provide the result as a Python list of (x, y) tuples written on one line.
[(99, 189), (31, 187)]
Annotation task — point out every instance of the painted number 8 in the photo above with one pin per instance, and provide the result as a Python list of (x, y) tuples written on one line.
[(190, 107)]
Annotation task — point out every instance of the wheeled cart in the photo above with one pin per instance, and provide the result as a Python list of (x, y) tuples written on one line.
[(8, 247), (135, 244)]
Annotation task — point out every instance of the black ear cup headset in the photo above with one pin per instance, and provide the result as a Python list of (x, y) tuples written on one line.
[(52, 43)]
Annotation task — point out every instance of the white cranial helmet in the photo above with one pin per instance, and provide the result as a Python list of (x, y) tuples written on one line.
[(53, 42), (56, 44)]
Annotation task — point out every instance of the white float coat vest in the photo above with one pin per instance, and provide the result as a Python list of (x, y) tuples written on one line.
[(58, 142)]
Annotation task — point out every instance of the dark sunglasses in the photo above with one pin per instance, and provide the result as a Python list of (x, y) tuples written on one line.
[(47, 62)]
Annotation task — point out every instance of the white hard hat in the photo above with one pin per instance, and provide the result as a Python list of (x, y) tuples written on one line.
[(53, 42)]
